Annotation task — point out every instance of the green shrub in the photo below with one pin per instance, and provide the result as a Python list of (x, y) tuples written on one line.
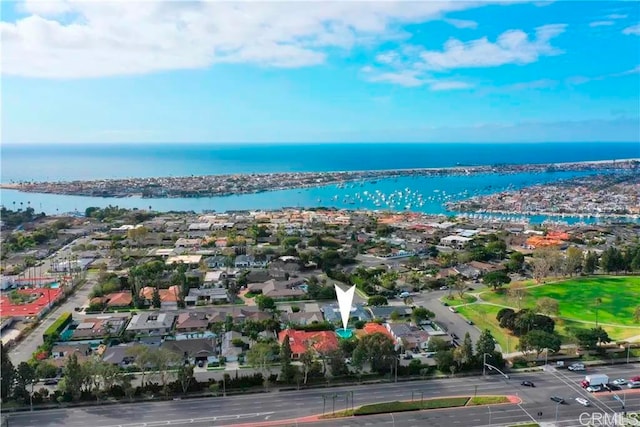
[(56, 327)]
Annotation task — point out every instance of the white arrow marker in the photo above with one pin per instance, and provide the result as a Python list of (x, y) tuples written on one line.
[(345, 299)]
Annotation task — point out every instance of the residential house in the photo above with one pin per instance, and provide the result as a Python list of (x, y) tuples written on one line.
[(152, 323), (302, 318), (301, 341), (279, 289), (331, 313), (458, 242), (192, 321), (214, 277), (371, 328), (168, 297), (188, 243), (409, 337), (216, 261), (284, 266), (193, 351), (192, 261), (119, 355), (199, 226), (119, 299), (91, 328), (199, 296), (467, 271), (385, 311), (61, 352), (238, 314), (229, 350), (485, 267)]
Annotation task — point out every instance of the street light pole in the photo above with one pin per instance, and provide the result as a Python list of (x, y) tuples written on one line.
[(489, 408), (546, 357), (557, 407), (484, 363), (396, 373)]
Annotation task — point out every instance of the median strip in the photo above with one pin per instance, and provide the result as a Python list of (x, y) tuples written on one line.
[(421, 405)]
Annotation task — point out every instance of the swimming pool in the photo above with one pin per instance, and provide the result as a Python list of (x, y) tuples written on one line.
[(344, 333)]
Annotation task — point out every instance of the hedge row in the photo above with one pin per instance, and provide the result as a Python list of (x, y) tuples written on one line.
[(56, 327)]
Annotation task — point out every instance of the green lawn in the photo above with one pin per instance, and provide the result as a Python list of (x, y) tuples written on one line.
[(576, 299), (484, 316), (455, 299)]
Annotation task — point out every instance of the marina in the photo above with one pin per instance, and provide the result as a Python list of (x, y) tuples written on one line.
[(411, 194)]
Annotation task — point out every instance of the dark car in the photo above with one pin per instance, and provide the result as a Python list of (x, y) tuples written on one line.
[(557, 399), (454, 336), (528, 384), (51, 381)]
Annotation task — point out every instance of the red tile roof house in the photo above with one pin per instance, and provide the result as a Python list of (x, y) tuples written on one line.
[(300, 341), (374, 328), (168, 297), (119, 299)]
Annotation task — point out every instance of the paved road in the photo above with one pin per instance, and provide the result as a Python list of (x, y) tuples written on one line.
[(453, 322), (274, 406), (24, 350)]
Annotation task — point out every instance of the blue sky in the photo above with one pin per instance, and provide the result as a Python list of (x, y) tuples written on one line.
[(82, 72)]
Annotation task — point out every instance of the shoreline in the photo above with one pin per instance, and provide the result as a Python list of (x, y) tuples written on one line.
[(235, 184)]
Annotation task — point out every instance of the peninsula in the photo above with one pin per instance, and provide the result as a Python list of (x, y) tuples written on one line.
[(615, 194), (224, 185)]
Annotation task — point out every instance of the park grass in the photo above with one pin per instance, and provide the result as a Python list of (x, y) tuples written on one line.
[(484, 317), (455, 299), (576, 299)]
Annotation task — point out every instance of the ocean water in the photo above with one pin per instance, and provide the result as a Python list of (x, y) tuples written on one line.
[(92, 161), (424, 194)]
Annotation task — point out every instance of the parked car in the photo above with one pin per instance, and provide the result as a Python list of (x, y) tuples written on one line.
[(583, 401), (51, 381), (619, 381), (558, 399), (594, 388), (469, 321), (444, 288), (454, 336), (407, 356), (576, 367), (528, 384), (453, 309), (633, 384)]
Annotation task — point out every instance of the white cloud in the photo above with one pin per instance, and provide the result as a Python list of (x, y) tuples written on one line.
[(616, 16), (79, 38), (511, 47), (462, 23), (634, 29), (601, 23), (412, 66), (449, 85)]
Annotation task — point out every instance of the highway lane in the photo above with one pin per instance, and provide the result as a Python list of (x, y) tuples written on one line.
[(292, 404)]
